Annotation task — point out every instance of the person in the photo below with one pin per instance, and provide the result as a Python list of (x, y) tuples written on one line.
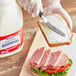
[(48, 7)]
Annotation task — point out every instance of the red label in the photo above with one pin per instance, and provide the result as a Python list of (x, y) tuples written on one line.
[(11, 42)]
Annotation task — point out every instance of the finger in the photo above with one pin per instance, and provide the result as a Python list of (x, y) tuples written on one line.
[(26, 4), (48, 11), (35, 10), (66, 17), (25, 7), (27, 1), (30, 8), (41, 6), (41, 9), (21, 2)]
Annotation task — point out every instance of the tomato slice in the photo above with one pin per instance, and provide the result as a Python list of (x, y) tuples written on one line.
[(51, 70), (64, 68), (59, 69)]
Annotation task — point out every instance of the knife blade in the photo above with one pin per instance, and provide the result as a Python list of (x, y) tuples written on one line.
[(56, 30)]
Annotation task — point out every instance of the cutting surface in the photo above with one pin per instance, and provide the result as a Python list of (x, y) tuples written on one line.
[(38, 42)]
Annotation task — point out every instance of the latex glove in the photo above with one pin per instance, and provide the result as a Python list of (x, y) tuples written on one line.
[(54, 6), (32, 6)]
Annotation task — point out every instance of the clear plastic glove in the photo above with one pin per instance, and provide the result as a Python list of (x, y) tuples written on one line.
[(32, 6), (50, 7), (54, 6)]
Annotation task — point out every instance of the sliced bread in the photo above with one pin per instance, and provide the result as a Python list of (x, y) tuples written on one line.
[(52, 38)]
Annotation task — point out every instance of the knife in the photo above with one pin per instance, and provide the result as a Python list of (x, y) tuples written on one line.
[(56, 30)]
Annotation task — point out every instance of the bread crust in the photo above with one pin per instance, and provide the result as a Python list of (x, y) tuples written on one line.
[(56, 44)]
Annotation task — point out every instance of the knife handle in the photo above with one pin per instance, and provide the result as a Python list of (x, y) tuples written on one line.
[(40, 14)]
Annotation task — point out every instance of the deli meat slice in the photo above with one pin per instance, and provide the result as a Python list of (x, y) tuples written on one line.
[(36, 57), (56, 60), (63, 60), (53, 60), (45, 59)]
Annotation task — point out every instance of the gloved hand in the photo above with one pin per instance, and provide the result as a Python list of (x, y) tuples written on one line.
[(32, 6), (54, 6), (50, 7)]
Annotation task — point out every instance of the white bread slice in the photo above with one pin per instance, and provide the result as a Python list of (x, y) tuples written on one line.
[(52, 38)]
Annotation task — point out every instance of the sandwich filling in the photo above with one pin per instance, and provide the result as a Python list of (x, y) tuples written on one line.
[(47, 63), (60, 72)]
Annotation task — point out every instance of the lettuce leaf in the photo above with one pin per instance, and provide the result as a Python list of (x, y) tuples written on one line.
[(43, 73), (71, 62)]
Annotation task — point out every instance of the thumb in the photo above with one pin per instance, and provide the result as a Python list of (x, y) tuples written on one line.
[(66, 16), (50, 10), (38, 7), (41, 9), (47, 11)]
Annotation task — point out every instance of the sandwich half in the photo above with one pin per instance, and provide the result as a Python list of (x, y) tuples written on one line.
[(52, 38), (44, 62)]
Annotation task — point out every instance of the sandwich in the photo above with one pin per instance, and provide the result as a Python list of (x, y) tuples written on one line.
[(52, 38), (45, 62)]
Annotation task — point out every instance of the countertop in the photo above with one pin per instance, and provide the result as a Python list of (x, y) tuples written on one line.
[(11, 66)]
